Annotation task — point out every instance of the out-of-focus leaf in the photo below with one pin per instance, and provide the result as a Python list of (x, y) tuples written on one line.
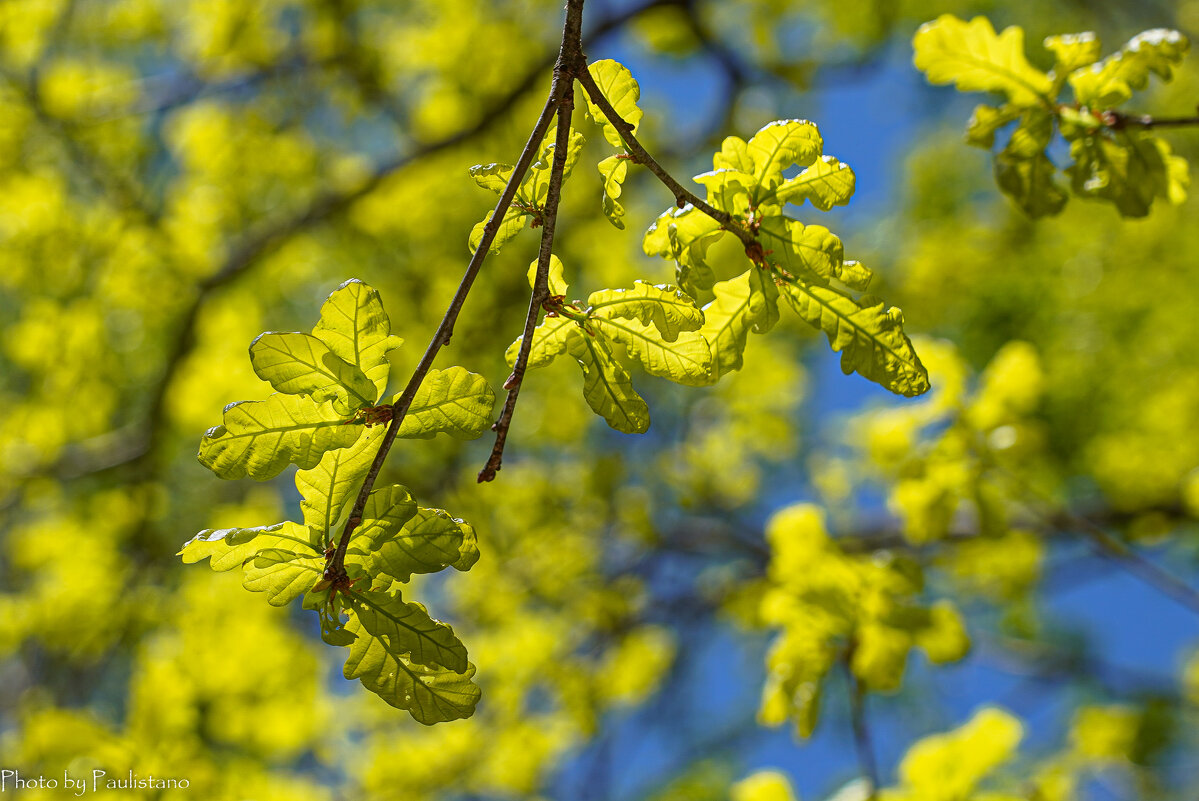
[(976, 59)]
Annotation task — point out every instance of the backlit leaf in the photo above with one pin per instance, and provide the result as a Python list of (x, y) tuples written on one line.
[(1072, 51), (777, 146), (974, 58), (606, 386), (618, 86), (232, 547), (407, 629), (1112, 80), (663, 306), (453, 401), (613, 170), (356, 328), (326, 488), (260, 438), (301, 364), (428, 541), (727, 322), (430, 695), (825, 184), (557, 284), (685, 360), (868, 335)]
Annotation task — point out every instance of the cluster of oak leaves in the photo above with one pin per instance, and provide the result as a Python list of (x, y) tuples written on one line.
[(329, 381)]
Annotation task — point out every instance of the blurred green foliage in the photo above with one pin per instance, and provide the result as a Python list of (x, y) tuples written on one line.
[(178, 176)]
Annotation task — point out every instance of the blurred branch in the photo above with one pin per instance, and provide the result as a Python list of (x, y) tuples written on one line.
[(867, 763), (182, 89), (1108, 546), (1046, 661), (1118, 120), (116, 188)]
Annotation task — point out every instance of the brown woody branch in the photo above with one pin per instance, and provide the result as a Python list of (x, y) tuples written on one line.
[(571, 62)]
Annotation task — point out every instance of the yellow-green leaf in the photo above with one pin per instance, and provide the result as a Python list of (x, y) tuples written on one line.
[(511, 225), (492, 176), (356, 328), (1112, 81), (776, 147), (663, 306), (1072, 51), (1029, 181), (986, 120), (406, 629), (549, 339), (613, 170), (619, 87), (232, 547), (685, 360), (386, 511), (454, 401), (283, 574), (607, 387), (427, 542), (326, 488), (976, 59), (825, 184), (557, 276), (807, 252), (868, 335), (300, 364), (430, 695), (1130, 170), (468, 551), (260, 438), (727, 322)]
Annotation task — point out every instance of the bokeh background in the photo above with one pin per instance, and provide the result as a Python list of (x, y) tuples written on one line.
[(177, 176)]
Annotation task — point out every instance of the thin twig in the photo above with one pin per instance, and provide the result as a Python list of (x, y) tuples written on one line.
[(682, 196), (335, 569), (569, 58)]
